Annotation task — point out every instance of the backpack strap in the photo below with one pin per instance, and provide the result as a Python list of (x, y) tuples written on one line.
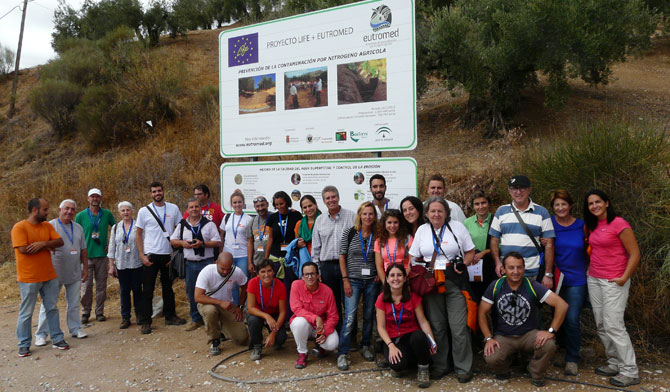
[(497, 286), (350, 236), (529, 287)]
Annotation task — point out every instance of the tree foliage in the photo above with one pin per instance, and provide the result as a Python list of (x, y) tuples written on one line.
[(6, 60), (55, 101)]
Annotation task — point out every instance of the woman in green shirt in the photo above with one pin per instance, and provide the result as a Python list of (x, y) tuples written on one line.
[(482, 271)]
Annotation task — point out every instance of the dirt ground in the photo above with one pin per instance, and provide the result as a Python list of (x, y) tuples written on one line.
[(306, 99)]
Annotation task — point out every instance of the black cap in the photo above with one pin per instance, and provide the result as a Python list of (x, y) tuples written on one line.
[(519, 181)]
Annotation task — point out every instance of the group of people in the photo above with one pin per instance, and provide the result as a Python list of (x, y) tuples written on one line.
[(426, 276)]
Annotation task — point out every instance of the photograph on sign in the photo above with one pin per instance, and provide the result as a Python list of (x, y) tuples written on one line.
[(346, 79), (299, 178)]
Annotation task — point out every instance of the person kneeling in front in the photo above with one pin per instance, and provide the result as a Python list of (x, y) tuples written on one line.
[(214, 295), (267, 308), (515, 300), (314, 314)]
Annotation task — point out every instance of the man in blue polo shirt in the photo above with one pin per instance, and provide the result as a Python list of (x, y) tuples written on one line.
[(508, 234)]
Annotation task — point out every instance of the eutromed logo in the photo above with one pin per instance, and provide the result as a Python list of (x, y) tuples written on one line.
[(381, 18), (243, 50)]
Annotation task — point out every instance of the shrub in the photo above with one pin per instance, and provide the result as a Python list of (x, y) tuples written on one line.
[(104, 118), (55, 101), (206, 108), (81, 64), (6, 60)]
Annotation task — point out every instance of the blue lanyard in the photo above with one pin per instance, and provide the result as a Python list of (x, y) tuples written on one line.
[(127, 236), (96, 222), (436, 246), (235, 226), (69, 236), (282, 228), (260, 289), (195, 232), (261, 235), (386, 207), (395, 249), (365, 252), (398, 321), (164, 212)]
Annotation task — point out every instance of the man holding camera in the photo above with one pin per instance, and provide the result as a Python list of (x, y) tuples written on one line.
[(199, 237)]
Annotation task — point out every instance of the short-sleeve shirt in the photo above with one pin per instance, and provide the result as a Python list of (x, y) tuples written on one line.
[(392, 248), (209, 233), (155, 240), (358, 267), (570, 252), (209, 279), (37, 267), (513, 237), (515, 318), (236, 244), (478, 232), (277, 238), (408, 322), (257, 230), (423, 245), (388, 205), (608, 255), (211, 211), (96, 248), (124, 253), (66, 259), (271, 296)]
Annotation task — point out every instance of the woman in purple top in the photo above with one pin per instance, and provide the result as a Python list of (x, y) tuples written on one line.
[(570, 257)]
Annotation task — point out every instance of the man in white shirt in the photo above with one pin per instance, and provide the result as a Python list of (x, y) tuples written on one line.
[(436, 187), (155, 224), (379, 200), (214, 295), (199, 236)]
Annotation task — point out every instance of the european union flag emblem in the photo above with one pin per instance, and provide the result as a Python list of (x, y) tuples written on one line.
[(243, 50)]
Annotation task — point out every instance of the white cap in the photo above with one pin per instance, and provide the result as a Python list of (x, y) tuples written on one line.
[(94, 191)]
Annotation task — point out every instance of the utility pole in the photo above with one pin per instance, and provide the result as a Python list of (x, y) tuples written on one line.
[(12, 98)]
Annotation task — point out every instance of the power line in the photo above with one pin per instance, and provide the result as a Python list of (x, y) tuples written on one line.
[(8, 12)]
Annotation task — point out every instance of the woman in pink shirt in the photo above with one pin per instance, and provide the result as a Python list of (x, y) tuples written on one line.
[(615, 255), (392, 243)]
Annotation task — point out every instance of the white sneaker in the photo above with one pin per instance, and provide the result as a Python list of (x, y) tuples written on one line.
[(79, 335), (40, 340)]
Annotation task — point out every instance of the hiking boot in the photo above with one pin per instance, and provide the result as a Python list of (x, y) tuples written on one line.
[(40, 340), (101, 317), (62, 345), (318, 352), (192, 326), (367, 354), (624, 381), (398, 373), (84, 318), (571, 369), (174, 320), (423, 376), (538, 382), (146, 329), (256, 352), (301, 362), (125, 323), (342, 362), (437, 375), (606, 370), (214, 349), (24, 351), (464, 377)]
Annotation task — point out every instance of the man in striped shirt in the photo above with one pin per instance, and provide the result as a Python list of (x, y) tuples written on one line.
[(508, 235)]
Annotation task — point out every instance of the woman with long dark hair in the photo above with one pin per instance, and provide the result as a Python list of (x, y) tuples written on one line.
[(403, 327), (392, 243), (412, 209), (615, 255), (303, 230)]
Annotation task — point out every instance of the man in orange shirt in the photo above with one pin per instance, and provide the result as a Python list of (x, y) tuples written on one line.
[(33, 239)]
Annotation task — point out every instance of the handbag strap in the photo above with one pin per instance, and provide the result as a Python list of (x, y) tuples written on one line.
[(225, 280), (156, 217), (527, 230)]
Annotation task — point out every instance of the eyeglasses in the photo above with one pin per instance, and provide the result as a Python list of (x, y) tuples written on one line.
[(310, 274), (260, 198)]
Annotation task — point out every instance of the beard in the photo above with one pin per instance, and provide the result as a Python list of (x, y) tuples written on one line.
[(158, 198)]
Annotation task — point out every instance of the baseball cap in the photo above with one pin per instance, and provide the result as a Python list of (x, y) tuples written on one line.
[(94, 191), (519, 181)]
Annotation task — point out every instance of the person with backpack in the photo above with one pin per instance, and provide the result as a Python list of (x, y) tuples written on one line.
[(357, 266), (515, 301), (392, 243)]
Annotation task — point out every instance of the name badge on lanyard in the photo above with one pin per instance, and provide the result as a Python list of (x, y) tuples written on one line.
[(73, 251)]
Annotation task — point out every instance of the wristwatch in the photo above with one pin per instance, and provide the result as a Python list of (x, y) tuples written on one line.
[(549, 275), (551, 330), (487, 339)]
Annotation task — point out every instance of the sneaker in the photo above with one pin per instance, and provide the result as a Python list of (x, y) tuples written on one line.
[(24, 351), (80, 334), (214, 349), (256, 352), (464, 377), (624, 381), (571, 369), (193, 325), (40, 340), (301, 362), (318, 352), (146, 329), (367, 354), (342, 362), (84, 318), (62, 345), (125, 323), (606, 370), (101, 317), (174, 320), (423, 376), (538, 382)]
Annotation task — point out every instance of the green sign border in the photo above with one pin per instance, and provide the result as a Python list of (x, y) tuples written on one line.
[(411, 146)]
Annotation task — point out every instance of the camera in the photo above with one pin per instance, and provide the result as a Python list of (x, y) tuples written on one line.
[(460, 264), (193, 242)]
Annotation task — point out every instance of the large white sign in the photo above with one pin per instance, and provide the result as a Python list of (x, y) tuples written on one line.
[(299, 178), (336, 80)]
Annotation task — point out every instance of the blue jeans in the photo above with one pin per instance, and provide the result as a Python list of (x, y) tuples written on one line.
[(570, 335), (192, 271), (72, 313), (243, 264), (359, 287), (49, 292), (130, 280)]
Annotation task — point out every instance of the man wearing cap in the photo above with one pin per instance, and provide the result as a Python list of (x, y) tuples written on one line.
[(436, 187), (256, 232), (508, 234), (96, 222)]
